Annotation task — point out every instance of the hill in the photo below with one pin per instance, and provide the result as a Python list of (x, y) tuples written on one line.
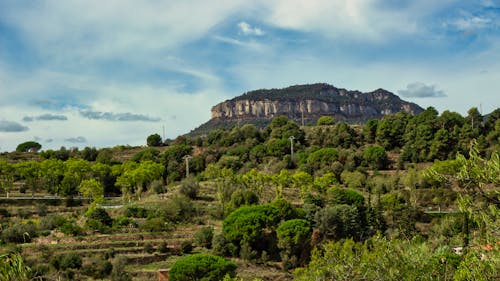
[(305, 104)]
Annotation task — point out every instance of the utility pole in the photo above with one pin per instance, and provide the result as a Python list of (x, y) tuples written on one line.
[(187, 157), (291, 145)]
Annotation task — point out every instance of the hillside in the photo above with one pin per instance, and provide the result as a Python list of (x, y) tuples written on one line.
[(305, 104)]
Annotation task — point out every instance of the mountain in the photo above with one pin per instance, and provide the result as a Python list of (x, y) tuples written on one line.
[(305, 104)]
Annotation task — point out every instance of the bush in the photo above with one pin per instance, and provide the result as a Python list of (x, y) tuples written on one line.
[(148, 248), (220, 245), (67, 261), (136, 212), (71, 228), (100, 215), (325, 120), (19, 233), (204, 237), (189, 187), (123, 221), (98, 268), (179, 208), (163, 247), (247, 224), (154, 225), (294, 238), (186, 247), (201, 267)]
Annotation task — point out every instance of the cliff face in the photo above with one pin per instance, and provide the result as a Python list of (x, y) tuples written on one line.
[(305, 103), (312, 101)]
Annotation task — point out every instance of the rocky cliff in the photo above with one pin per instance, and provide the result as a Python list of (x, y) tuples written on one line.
[(306, 103)]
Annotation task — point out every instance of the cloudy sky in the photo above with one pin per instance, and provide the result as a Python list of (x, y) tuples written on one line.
[(104, 73)]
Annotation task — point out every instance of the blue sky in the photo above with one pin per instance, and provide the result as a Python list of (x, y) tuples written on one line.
[(104, 73)]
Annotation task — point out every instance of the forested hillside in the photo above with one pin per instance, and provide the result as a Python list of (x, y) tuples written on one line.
[(401, 198)]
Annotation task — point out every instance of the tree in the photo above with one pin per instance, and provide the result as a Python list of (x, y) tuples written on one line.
[(201, 267), (322, 158), (339, 221), (29, 146), (6, 177), (154, 140), (91, 188), (370, 130), (325, 120), (391, 129), (375, 157), (31, 173), (246, 225), (294, 240), (477, 179)]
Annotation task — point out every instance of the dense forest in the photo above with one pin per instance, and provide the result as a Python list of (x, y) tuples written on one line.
[(400, 198)]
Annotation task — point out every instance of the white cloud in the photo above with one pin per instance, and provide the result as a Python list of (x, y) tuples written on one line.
[(246, 29), (11, 127), (421, 90)]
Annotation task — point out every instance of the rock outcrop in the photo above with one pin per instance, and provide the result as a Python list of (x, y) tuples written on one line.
[(306, 103)]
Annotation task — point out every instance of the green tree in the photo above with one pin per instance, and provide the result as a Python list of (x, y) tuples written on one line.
[(201, 267), (375, 157), (370, 131), (29, 146), (91, 188), (154, 140), (6, 177), (31, 173), (247, 225), (325, 120), (294, 240), (391, 129)]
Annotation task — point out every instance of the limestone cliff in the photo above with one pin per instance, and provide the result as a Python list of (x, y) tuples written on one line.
[(306, 103)]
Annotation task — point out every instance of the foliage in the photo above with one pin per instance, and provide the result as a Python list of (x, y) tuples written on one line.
[(375, 157), (67, 261), (325, 120), (99, 215), (294, 239), (201, 267), (247, 225), (154, 140), (189, 187), (93, 189), (19, 233), (13, 267), (204, 237), (28, 146), (379, 259)]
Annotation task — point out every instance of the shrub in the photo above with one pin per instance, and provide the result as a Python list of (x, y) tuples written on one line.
[(154, 225), (71, 228), (294, 238), (247, 225), (325, 120), (186, 247), (100, 215), (98, 268), (204, 237), (163, 247), (20, 233), (189, 187), (136, 212), (219, 245), (122, 222), (201, 267), (179, 208), (67, 261), (148, 248)]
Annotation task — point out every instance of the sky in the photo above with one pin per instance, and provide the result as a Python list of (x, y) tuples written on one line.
[(105, 73)]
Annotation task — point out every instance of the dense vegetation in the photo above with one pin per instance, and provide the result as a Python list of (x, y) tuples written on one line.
[(401, 198)]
